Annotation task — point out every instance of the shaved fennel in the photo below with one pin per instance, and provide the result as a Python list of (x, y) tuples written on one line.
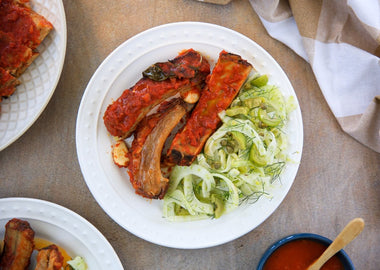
[(239, 162), (77, 263)]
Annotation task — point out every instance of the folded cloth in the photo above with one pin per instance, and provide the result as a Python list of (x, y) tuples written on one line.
[(341, 41)]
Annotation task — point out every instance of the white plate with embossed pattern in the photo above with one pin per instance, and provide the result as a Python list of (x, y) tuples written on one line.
[(62, 227), (39, 80), (110, 185)]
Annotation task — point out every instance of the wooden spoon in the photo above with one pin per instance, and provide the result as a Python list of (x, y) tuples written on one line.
[(349, 233)]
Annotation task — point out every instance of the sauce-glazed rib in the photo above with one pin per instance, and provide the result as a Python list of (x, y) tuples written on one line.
[(49, 258), (14, 57), (185, 73), (18, 245), (24, 25), (145, 153), (228, 76), (21, 31)]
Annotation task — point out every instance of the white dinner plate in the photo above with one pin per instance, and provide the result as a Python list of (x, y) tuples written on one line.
[(111, 186), (40, 79), (62, 227)]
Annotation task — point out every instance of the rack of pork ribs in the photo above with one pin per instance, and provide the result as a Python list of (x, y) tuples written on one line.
[(21, 31), (19, 245), (175, 133)]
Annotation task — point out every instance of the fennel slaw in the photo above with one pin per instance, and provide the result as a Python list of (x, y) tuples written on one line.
[(241, 159)]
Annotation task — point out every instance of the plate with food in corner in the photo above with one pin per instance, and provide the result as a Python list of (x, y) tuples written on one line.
[(43, 233), (29, 70)]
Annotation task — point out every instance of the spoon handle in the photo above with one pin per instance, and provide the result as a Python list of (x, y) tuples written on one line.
[(349, 233)]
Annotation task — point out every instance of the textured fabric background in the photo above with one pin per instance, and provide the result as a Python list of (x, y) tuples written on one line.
[(341, 41)]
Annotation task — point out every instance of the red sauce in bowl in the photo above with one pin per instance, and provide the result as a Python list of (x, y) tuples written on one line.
[(298, 255)]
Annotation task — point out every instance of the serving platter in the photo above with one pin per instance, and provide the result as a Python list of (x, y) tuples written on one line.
[(40, 79), (62, 227), (110, 185)]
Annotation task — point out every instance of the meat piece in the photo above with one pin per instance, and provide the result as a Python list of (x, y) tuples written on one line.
[(18, 245), (21, 31), (8, 83), (228, 76), (185, 73), (25, 26), (145, 153), (49, 258), (43, 27), (14, 57)]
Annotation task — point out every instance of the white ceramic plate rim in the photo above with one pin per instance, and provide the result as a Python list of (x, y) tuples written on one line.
[(26, 124), (135, 214), (89, 242)]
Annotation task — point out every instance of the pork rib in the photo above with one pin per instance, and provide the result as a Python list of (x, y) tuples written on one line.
[(228, 76), (21, 31), (185, 73), (18, 245), (145, 153), (31, 27), (49, 258)]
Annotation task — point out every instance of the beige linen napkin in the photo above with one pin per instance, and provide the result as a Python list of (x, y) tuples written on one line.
[(341, 41)]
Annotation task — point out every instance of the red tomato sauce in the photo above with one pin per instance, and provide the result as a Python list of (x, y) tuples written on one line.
[(12, 54), (122, 115), (18, 34), (16, 21), (222, 86), (300, 254)]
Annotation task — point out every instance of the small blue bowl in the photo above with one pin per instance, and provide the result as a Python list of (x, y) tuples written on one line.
[(342, 255)]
